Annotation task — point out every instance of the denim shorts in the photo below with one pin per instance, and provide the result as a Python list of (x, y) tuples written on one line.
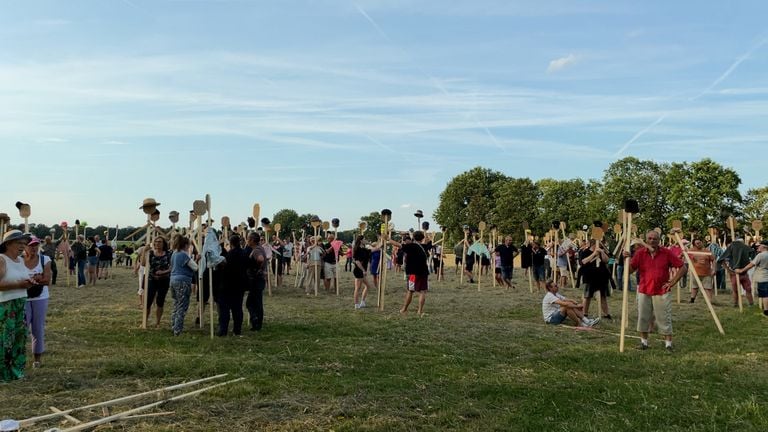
[(762, 289), (93, 261), (557, 318)]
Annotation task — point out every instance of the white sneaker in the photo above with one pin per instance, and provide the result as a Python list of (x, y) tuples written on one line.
[(357, 306), (362, 304)]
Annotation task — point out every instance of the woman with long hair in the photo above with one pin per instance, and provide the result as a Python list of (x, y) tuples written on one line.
[(159, 277), (361, 256)]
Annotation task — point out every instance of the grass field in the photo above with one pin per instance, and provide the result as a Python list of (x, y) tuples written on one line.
[(478, 361)]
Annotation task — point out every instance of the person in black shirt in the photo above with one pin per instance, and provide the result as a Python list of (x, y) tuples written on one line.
[(231, 291), (361, 257), (329, 261), (416, 270), (538, 265), (507, 253)]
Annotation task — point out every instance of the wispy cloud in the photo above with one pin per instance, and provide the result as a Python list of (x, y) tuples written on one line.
[(732, 68), (639, 134), (406, 206), (561, 63)]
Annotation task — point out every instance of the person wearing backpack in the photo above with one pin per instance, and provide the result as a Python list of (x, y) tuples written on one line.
[(39, 268)]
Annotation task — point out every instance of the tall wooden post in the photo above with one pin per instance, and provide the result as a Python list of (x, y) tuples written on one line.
[(386, 214), (630, 207)]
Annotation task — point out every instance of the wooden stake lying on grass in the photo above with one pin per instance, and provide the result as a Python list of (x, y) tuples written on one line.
[(130, 412), (157, 392), (675, 233)]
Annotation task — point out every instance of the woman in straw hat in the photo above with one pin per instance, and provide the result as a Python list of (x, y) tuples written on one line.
[(14, 281)]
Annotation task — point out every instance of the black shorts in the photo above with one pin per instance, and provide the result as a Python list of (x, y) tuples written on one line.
[(470, 264), (358, 273)]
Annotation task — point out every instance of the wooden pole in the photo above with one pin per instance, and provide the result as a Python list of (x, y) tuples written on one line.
[(699, 284), (625, 282), (210, 268), (200, 296), (464, 256), (732, 226), (147, 252), (315, 226)]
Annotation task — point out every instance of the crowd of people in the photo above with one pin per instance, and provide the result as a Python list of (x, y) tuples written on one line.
[(248, 265)]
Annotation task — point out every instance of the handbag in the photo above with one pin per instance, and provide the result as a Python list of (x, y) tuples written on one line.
[(36, 290)]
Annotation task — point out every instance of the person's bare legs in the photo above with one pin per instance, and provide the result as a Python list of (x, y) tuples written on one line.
[(422, 298), (604, 304), (406, 302), (356, 295)]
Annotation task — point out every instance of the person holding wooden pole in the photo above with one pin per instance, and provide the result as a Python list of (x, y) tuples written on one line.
[(183, 271), (653, 293), (703, 264), (760, 264), (736, 255), (690, 263), (416, 269), (256, 270), (507, 253)]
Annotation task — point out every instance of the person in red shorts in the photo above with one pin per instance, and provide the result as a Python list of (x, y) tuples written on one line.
[(416, 270), (653, 293)]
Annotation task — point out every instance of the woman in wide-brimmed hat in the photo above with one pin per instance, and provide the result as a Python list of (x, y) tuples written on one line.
[(14, 281)]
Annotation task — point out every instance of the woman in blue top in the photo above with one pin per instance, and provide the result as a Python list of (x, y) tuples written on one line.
[(183, 269)]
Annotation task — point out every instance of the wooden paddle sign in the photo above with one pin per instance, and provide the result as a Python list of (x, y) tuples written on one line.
[(676, 224), (199, 207), (256, 211)]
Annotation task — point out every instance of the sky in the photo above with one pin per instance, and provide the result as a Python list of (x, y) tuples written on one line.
[(341, 108)]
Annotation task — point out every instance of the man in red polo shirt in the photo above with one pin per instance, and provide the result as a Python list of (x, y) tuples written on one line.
[(654, 263)]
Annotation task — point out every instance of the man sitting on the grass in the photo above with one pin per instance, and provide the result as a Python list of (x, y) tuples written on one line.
[(556, 308)]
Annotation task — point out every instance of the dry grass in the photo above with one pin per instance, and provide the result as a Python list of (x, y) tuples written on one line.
[(477, 361)]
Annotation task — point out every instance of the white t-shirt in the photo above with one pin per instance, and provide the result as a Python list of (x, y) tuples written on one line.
[(761, 267), (14, 271), (39, 269), (548, 306)]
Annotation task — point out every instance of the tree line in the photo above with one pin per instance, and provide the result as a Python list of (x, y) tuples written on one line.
[(701, 194)]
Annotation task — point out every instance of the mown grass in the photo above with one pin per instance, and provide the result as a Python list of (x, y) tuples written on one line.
[(478, 361)]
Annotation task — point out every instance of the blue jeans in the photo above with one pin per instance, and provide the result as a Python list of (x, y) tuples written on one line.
[(180, 291), (81, 272)]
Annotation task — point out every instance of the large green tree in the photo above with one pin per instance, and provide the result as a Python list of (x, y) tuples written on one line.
[(641, 180), (289, 221), (755, 206), (373, 229), (517, 200), (697, 192), (562, 200), (468, 199)]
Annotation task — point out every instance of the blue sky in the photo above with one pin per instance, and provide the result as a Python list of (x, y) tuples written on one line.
[(345, 107)]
